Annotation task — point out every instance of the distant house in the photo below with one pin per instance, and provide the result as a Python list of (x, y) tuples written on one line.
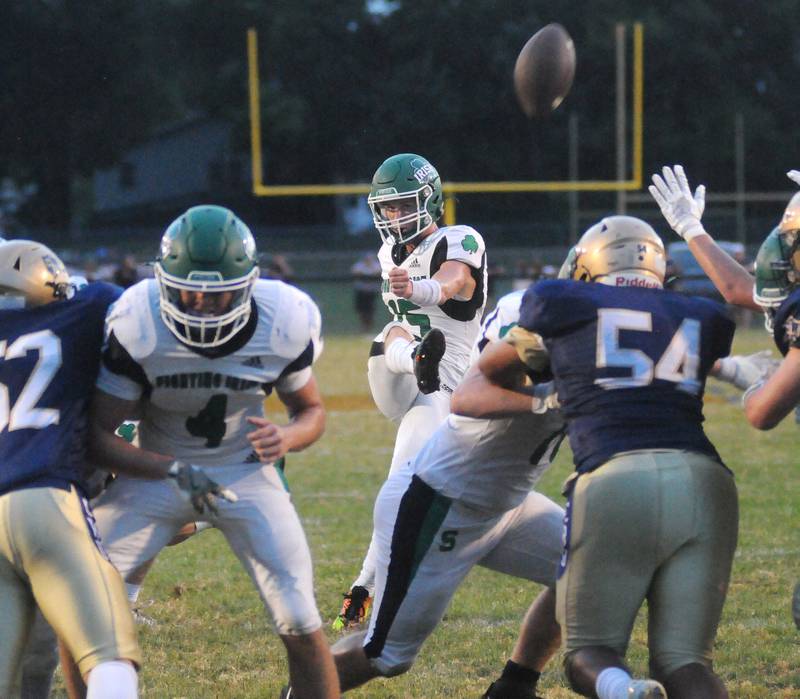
[(181, 165)]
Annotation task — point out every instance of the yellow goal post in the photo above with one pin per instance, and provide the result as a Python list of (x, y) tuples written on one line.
[(450, 188)]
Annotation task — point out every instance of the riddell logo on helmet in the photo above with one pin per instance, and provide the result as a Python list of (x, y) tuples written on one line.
[(636, 281)]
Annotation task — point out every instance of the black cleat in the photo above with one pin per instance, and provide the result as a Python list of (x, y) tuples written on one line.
[(427, 355), (500, 690), (354, 610)]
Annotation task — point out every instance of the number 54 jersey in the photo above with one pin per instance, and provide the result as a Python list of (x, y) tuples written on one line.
[(630, 364), (195, 403), (459, 319)]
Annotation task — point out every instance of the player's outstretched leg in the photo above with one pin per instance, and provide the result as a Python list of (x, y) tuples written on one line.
[(427, 355), (539, 639)]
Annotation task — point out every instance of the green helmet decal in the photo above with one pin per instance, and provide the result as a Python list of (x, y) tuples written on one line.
[(411, 184), (208, 253)]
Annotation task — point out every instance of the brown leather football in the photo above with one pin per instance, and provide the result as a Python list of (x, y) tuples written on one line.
[(544, 70)]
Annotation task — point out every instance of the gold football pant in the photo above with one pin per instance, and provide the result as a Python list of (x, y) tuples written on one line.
[(49, 557), (655, 525)]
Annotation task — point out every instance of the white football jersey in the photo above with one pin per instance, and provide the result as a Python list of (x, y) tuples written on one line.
[(491, 464), (196, 406), (458, 319)]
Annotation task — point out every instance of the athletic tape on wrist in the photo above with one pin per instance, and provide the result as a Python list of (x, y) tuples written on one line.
[(426, 292)]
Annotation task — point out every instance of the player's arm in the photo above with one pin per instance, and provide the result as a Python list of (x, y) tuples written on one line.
[(114, 453), (477, 396), (453, 278), (765, 405), (732, 280), (683, 212), (306, 423)]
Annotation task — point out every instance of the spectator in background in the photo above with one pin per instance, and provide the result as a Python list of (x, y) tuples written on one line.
[(366, 272), (126, 274), (279, 268)]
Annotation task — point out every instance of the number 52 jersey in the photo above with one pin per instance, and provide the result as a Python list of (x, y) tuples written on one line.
[(630, 364), (49, 358), (195, 406)]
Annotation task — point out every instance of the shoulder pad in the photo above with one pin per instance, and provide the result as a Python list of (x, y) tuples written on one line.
[(297, 322), (465, 244), (130, 318)]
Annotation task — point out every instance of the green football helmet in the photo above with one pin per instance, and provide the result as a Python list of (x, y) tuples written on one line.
[(412, 183), (206, 270), (776, 273)]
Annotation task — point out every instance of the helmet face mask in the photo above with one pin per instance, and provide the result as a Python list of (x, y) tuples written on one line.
[(776, 273), (31, 275), (206, 271), (405, 198), (619, 251)]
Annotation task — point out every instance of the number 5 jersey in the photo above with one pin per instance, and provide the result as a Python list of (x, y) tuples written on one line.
[(199, 400)]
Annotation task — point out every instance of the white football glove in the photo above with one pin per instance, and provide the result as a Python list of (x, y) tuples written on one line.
[(794, 176), (682, 210), (744, 371), (199, 487), (544, 398)]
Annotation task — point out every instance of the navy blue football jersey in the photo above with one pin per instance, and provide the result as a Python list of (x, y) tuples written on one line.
[(630, 364), (49, 359), (786, 323)]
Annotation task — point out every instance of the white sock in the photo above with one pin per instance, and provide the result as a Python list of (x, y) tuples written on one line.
[(398, 356), (114, 679), (133, 592), (612, 683)]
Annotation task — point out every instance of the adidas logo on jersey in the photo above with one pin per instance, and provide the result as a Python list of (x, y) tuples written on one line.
[(414, 263), (253, 362)]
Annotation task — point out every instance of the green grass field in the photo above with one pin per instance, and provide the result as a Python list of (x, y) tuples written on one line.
[(213, 638)]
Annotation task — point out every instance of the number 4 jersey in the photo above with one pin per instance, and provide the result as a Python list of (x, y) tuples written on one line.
[(459, 319), (630, 364), (196, 405), (49, 358)]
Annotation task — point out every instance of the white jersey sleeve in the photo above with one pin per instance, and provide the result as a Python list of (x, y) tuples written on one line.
[(465, 244), (127, 331), (303, 323), (497, 323)]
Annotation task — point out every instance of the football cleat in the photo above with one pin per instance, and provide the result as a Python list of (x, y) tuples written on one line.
[(427, 355), (355, 608), (646, 689), (497, 690), (796, 606)]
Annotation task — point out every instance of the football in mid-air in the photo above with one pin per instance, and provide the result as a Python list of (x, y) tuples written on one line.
[(544, 70)]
